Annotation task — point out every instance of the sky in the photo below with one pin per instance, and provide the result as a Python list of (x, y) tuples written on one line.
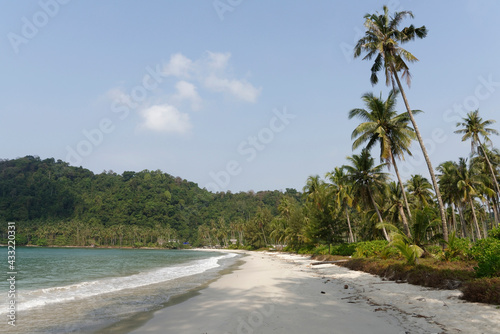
[(234, 95)]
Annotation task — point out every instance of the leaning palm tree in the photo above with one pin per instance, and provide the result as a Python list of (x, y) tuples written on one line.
[(366, 177), (474, 127), (382, 124), (489, 189), (382, 39)]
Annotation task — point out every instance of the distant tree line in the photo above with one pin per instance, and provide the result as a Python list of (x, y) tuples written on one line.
[(53, 203)]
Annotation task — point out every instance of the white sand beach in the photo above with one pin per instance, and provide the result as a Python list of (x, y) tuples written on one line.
[(283, 293)]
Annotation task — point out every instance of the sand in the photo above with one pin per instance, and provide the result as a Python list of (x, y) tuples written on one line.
[(283, 293)]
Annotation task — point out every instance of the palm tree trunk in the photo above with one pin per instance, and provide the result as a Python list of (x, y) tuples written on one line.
[(474, 218), (453, 218), (462, 221), (351, 237), (426, 156), (490, 167), (386, 236), (495, 211), (405, 222), (401, 185)]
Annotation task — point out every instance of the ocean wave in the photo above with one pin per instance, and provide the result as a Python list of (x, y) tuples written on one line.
[(82, 290)]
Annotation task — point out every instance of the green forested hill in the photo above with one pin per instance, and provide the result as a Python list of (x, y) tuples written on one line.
[(54, 203)]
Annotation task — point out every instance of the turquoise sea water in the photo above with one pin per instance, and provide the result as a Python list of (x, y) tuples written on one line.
[(72, 290)]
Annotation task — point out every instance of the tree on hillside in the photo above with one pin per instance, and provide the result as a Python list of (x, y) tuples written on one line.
[(382, 40)]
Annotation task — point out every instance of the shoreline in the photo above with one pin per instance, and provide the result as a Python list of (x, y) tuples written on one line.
[(283, 293), (141, 319)]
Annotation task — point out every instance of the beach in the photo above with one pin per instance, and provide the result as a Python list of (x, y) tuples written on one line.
[(283, 293)]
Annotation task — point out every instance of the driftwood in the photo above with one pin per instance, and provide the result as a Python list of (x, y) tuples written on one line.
[(328, 262)]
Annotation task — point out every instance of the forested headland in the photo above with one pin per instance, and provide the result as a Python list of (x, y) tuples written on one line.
[(54, 203)]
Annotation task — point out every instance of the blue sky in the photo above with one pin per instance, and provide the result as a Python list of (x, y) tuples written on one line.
[(233, 94)]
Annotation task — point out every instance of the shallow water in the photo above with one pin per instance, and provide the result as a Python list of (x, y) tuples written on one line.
[(64, 290)]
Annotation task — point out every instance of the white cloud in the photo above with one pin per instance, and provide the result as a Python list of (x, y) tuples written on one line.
[(241, 89), (166, 118), (214, 72), (179, 66), (187, 91), (217, 60)]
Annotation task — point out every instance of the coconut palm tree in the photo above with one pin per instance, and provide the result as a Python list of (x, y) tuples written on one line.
[(382, 40), (366, 177), (448, 179), (382, 124), (421, 190), (489, 189), (342, 194), (474, 127), (469, 183), (322, 226), (395, 197)]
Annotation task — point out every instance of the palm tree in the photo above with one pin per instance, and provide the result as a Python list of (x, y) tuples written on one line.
[(342, 194), (421, 189), (323, 216), (489, 189), (468, 184), (473, 128), (382, 39), (384, 125), (314, 191), (448, 180), (396, 205), (366, 178)]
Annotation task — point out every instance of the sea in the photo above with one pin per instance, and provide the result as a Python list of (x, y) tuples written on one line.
[(87, 290)]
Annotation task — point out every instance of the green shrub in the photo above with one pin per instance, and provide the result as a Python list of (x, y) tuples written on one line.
[(494, 233), (344, 249), (487, 254), (456, 249), (373, 248), (309, 249), (320, 250)]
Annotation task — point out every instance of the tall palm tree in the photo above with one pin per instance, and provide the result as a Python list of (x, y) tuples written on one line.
[(474, 127), (342, 194), (489, 189), (385, 126), (468, 184), (366, 177), (448, 180), (382, 39)]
